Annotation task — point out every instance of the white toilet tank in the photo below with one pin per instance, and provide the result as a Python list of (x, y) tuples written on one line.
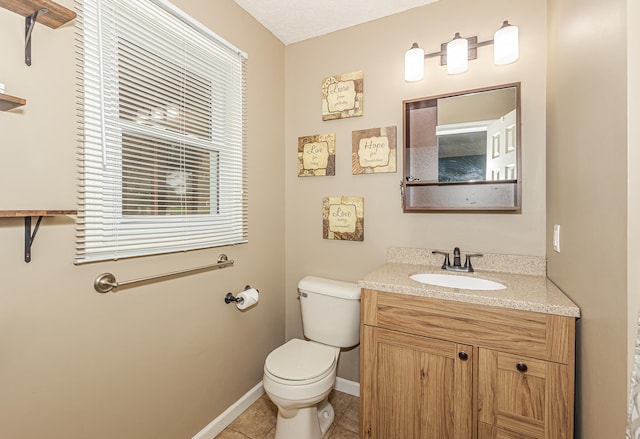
[(330, 311)]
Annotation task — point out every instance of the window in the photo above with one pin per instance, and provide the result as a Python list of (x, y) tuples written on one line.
[(162, 100)]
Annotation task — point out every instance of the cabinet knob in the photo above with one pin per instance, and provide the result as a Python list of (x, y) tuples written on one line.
[(463, 355), (522, 367)]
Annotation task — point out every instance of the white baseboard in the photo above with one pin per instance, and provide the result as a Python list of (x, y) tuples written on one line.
[(346, 386), (216, 426)]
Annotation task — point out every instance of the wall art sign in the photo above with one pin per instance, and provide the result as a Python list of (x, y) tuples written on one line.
[(343, 218), (342, 96), (317, 155), (374, 150)]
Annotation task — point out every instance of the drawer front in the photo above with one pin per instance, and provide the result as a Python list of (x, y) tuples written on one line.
[(541, 336), (525, 397), (512, 393)]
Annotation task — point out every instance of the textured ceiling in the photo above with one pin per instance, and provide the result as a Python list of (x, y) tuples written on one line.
[(296, 20)]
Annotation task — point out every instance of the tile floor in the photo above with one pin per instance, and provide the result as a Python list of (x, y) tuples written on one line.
[(259, 420)]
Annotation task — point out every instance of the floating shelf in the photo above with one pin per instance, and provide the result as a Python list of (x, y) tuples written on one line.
[(8, 102), (30, 236)]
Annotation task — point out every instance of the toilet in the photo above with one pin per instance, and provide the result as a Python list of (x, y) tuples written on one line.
[(299, 375)]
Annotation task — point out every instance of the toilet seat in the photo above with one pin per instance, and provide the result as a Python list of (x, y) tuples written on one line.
[(300, 362)]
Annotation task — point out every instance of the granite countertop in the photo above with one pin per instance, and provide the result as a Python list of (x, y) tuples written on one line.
[(527, 292)]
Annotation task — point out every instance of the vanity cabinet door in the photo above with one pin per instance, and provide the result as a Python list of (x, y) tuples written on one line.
[(521, 397), (421, 388)]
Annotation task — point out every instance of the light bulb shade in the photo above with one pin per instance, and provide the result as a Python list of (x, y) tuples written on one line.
[(505, 45), (457, 55), (414, 64)]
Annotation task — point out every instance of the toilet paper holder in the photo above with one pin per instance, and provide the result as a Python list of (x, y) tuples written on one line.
[(230, 298)]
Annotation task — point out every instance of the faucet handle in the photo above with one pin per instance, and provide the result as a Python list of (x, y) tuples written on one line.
[(467, 261), (446, 262), (456, 257)]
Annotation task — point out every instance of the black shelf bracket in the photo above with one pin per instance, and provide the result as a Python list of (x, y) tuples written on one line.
[(29, 24), (29, 236)]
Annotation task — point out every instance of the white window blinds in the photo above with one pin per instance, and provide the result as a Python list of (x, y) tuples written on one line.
[(161, 156)]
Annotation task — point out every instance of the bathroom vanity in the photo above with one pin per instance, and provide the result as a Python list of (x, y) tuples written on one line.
[(440, 362)]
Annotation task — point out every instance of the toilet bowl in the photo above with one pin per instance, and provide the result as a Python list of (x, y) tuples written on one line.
[(299, 375)]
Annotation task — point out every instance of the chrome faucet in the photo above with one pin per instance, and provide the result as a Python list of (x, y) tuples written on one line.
[(457, 266)]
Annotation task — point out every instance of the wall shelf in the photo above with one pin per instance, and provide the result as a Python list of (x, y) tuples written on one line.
[(8, 102), (29, 235), (56, 16), (53, 15), (46, 12)]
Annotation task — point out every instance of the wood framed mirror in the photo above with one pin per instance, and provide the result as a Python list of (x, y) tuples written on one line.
[(462, 151)]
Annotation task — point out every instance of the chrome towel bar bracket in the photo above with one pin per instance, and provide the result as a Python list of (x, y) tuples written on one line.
[(106, 282)]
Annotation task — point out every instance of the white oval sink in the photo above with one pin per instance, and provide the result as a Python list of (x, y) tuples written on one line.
[(456, 281)]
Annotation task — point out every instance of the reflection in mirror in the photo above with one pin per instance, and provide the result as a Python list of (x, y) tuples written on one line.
[(476, 136), (468, 138)]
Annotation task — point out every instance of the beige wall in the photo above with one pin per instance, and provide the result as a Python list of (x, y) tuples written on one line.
[(162, 360), (633, 167), (156, 361), (587, 196), (377, 48)]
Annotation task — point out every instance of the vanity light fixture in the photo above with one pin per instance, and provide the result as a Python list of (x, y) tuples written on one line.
[(505, 44), (456, 53), (414, 63)]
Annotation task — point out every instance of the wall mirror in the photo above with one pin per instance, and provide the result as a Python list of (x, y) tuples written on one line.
[(462, 151)]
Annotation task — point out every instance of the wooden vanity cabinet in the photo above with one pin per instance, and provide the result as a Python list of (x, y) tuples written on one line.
[(441, 369), (422, 389)]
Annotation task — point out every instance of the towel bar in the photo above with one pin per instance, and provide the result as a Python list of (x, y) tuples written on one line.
[(106, 282)]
